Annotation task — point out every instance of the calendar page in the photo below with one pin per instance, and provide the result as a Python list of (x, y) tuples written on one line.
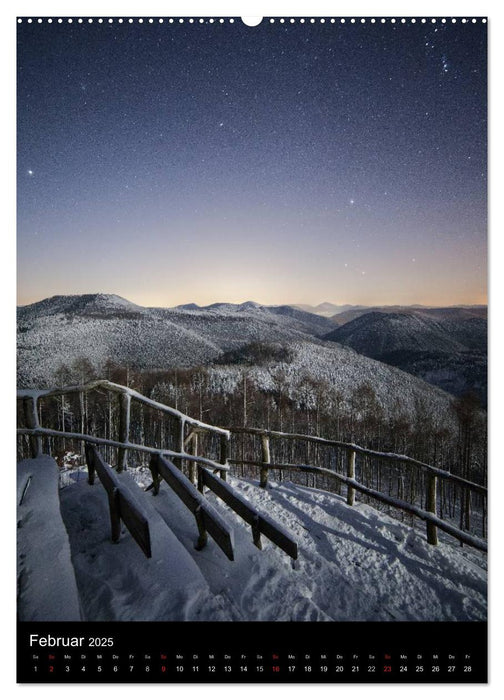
[(252, 349)]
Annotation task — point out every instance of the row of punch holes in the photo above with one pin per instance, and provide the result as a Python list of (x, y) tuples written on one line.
[(272, 20)]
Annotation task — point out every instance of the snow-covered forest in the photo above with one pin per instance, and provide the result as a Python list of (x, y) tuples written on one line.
[(270, 391)]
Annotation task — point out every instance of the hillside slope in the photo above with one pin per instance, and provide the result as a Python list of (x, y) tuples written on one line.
[(99, 327), (446, 347), (315, 366), (59, 334), (446, 312)]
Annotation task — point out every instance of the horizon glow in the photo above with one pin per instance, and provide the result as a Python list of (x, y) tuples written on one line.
[(171, 164)]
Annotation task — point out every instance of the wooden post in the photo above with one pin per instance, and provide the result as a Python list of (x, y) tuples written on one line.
[(124, 426), (180, 445), (224, 454), (432, 537), (179, 442), (484, 514), (351, 475), (156, 479), (467, 510), (82, 423), (201, 483), (193, 466), (90, 463), (266, 458), (31, 418), (199, 479), (115, 518), (256, 532), (203, 535)]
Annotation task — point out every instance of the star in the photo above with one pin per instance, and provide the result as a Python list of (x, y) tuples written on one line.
[(332, 143)]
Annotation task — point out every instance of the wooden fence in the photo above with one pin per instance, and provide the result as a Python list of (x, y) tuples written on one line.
[(188, 438), (184, 432), (434, 475), (164, 464), (121, 506)]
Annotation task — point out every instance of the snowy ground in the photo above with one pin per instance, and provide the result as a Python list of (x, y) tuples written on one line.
[(354, 563), (44, 592)]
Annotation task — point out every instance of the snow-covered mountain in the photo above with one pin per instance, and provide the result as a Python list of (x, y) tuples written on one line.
[(230, 321), (61, 329), (446, 347), (96, 305), (335, 368), (446, 312), (329, 310)]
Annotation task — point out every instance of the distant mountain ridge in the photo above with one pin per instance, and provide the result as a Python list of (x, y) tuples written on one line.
[(327, 308), (342, 313), (446, 347), (434, 311), (56, 331)]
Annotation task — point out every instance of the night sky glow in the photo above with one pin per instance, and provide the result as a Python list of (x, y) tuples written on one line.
[(285, 163)]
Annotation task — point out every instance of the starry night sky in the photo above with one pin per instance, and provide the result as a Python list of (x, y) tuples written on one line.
[(170, 163)]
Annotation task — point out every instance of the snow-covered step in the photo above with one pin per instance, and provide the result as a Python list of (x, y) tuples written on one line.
[(117, 580), (208, 519), (47, 588)]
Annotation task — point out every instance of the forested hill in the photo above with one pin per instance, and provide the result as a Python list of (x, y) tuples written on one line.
[(445, 347), (99, 327), (64, 339)]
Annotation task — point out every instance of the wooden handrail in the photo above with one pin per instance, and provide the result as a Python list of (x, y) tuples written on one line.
[(351, 447), (48, 432), (207, 518), (37, 394), (261, 524), (121, 505), (429, 517)]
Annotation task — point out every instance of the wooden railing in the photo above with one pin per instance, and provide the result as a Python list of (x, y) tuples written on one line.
[(434, 474), (207, 518), (188, 435), (164, 464), (121, 506), (185, 424)]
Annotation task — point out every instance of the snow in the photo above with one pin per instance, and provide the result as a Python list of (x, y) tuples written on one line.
[(336, 367), (44, 592), (57, 332), (355, 563), (117, 581)]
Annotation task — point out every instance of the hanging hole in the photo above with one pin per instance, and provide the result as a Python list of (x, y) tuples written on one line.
[(251, 21)]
